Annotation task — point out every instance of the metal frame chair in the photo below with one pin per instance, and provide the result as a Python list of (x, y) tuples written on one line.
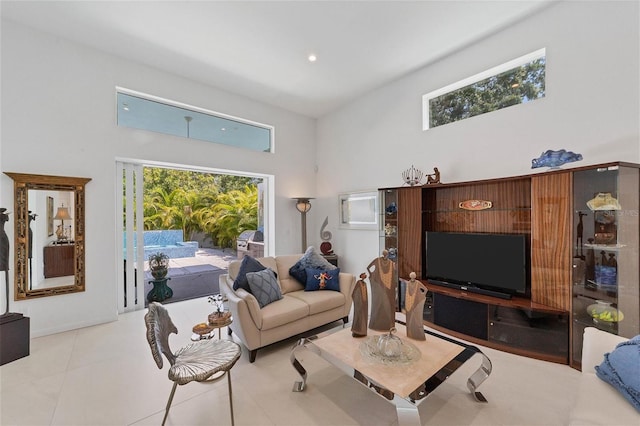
[(196, 362)]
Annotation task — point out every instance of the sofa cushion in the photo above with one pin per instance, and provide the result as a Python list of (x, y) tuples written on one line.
[(310, 259), (621, 369), (284, 311), (287, 282), (264, 286), (319, 301), (248, 264), (598, 404), (322, 279)]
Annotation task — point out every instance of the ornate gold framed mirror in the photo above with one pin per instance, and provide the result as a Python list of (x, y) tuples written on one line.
[(48, 263)]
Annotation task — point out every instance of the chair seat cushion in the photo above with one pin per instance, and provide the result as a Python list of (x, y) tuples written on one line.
[(200, 360)]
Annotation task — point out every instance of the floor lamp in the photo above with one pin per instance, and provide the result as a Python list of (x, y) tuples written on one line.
[(303, 206)]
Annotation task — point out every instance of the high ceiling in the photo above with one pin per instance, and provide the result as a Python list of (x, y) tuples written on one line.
[(259, 49)]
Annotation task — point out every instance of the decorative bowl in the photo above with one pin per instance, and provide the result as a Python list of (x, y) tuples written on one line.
[(602, 311), (202, 329)]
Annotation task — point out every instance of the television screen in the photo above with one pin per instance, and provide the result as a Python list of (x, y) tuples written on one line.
[(490, 261)]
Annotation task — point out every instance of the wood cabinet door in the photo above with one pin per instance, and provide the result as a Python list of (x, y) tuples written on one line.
[(410, 238), (551, 240)]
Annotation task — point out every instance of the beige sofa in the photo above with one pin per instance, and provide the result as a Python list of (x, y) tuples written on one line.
[(598, 403), (298, 311)]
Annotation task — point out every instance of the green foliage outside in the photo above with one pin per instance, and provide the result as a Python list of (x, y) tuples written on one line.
[(221, 206), (516, 86)]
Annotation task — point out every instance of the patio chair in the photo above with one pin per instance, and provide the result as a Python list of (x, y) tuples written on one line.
[(196, 362)]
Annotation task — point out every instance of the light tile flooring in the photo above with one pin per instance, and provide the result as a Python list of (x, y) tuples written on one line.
[(105, 375)]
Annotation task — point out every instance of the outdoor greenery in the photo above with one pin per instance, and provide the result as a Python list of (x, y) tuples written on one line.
[(515, 86), (221, 206)]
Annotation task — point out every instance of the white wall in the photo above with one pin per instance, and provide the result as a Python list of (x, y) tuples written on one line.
[(58, 115), (58, 118), (591, 107)]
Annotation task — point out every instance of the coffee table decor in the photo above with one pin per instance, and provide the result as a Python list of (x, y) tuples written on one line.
[(389, 349), (392, 370), (360, 308), (382, 271), (415, 297)]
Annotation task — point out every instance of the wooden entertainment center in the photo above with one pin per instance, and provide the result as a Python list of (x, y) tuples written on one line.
[(554, 210)]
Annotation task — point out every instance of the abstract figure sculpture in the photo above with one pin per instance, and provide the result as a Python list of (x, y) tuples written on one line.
[(360, 308), (415, 297), (412, 176), (383, 292), (434, 177), (4, 255)]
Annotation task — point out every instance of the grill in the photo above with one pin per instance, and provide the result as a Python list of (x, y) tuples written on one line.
[(250, 243)]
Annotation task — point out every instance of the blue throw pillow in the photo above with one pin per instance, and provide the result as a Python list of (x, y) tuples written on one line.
[(310, 259), (322, 279), (248, 264), (621, 369), (264, 286)]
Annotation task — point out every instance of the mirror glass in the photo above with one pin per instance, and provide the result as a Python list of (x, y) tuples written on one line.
[(359, 210), (49, 235)]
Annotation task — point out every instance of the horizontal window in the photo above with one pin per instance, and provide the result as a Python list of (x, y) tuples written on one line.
[(140, 112), (515, 82)]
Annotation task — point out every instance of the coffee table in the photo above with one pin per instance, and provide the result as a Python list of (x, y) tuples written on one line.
[(406, 385)]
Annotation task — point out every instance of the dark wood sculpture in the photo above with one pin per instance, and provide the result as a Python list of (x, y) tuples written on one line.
[(360, 308)]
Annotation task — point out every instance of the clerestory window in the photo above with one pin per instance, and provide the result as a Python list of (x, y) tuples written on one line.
[(515, 82), (163, 116)]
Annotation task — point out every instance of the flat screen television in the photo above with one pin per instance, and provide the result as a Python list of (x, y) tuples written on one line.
[(498, 263)]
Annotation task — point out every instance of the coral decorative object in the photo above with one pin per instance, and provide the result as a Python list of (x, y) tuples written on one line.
[(555, 159)]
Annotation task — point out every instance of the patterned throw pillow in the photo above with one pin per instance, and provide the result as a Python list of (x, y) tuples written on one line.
[(322, 279), (248, 264), (264, 286), (310, 259)]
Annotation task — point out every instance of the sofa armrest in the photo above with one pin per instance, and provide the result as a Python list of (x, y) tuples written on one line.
[(595, 343), (242, 304)]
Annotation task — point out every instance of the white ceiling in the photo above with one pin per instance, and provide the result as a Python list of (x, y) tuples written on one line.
[(259, 49)]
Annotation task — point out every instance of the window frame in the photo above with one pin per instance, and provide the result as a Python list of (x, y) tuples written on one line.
[(195, 109), (491, 72)]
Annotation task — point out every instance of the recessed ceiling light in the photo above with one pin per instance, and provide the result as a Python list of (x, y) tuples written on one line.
[(312, 58), (125, 107)]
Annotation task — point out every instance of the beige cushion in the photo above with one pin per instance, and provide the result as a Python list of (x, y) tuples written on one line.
[(283, 311), (287, 282), (268, 262), (598, 403), (320, 300)]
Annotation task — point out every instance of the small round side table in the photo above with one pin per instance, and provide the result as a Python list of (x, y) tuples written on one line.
[(210, 332)]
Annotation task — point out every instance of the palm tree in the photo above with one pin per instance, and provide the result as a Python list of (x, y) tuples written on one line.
[(235, 212)]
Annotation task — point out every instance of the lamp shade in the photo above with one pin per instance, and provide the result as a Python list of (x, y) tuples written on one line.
[(62, 214), (302, 204)]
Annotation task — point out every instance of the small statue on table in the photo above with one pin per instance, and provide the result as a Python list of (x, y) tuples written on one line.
[(383, 292), (360, 308), (415, 297)]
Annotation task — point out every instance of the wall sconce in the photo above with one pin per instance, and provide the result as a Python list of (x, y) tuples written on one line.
[(62, 214), (303, 206)]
